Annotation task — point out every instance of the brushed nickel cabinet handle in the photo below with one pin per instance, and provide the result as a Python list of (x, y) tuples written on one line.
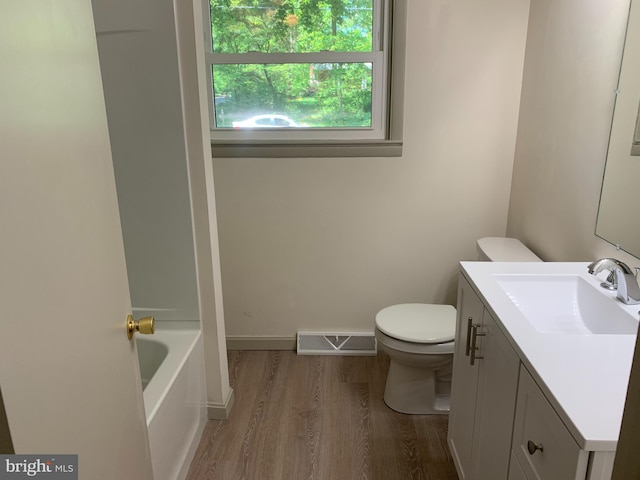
[(469, 326), (474, 348)]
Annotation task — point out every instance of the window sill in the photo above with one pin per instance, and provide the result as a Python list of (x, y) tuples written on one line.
[(306, 149)]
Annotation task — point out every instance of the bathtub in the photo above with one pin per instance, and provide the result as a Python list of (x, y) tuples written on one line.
[(172, 375)]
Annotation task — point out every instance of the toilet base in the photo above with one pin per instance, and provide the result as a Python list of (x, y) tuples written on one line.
[(416, 391)]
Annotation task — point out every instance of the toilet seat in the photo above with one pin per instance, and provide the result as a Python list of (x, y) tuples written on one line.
[(418, 322), (385, 342)]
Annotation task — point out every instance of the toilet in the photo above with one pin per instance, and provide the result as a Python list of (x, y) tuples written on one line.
[(419, 339), (500, 249)]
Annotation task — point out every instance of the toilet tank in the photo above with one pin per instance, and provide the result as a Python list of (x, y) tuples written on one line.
[(500, 249)]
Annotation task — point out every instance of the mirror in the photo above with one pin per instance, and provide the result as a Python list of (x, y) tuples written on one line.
[(619, 216)]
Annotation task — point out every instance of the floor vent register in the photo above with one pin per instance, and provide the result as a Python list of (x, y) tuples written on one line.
[(341, 343)]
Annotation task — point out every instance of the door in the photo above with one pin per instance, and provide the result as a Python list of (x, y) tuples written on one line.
[(499, 367), (68, 373)]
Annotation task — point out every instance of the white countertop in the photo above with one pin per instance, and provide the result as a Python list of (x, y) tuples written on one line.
[(584, 376)]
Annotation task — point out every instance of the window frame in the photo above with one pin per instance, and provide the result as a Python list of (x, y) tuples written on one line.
[(383, 138)]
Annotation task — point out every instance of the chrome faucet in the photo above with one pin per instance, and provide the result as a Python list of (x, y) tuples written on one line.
[(623, 278)]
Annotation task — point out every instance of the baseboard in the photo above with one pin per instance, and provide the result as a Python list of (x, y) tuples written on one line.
[(259, 342), (216, 411)]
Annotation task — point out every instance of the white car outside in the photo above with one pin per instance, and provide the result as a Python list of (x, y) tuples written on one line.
[(267, 121)]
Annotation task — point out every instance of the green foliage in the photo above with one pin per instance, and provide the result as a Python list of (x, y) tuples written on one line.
[(240, 26), (268, 26), (317, 94)]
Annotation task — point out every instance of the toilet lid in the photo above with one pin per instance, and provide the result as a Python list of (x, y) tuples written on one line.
[(418, 322)]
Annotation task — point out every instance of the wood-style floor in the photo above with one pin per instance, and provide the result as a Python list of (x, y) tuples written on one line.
[(318, 418)]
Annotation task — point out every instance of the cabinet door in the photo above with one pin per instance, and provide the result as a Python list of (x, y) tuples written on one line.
[(552, 453), (464, 381), (515, 470), (499, 366)]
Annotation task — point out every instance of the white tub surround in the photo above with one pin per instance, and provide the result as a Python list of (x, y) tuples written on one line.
[(174, 398), (151, 354)]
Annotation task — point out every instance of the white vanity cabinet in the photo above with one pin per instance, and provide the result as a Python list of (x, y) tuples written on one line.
[(501, 424), (483, 397)]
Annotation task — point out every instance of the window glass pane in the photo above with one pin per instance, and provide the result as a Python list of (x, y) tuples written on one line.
[(291, 26), (326, 95)]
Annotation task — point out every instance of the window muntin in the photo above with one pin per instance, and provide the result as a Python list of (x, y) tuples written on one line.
[(329, 76)]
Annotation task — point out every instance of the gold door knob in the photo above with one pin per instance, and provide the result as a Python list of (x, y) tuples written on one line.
[(146, 325)]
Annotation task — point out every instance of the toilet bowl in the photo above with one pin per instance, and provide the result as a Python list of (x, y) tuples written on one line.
[(419, 340)]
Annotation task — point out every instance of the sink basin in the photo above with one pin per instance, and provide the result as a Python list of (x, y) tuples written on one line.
[(567, 304)]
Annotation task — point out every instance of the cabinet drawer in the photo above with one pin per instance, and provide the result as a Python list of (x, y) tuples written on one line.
[(554, 453)]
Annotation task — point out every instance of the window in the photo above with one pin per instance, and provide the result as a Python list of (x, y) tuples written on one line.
[(302, 72)]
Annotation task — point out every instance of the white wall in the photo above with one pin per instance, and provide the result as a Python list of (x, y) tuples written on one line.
[(189, 27), (571, 70), (324, 243)]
